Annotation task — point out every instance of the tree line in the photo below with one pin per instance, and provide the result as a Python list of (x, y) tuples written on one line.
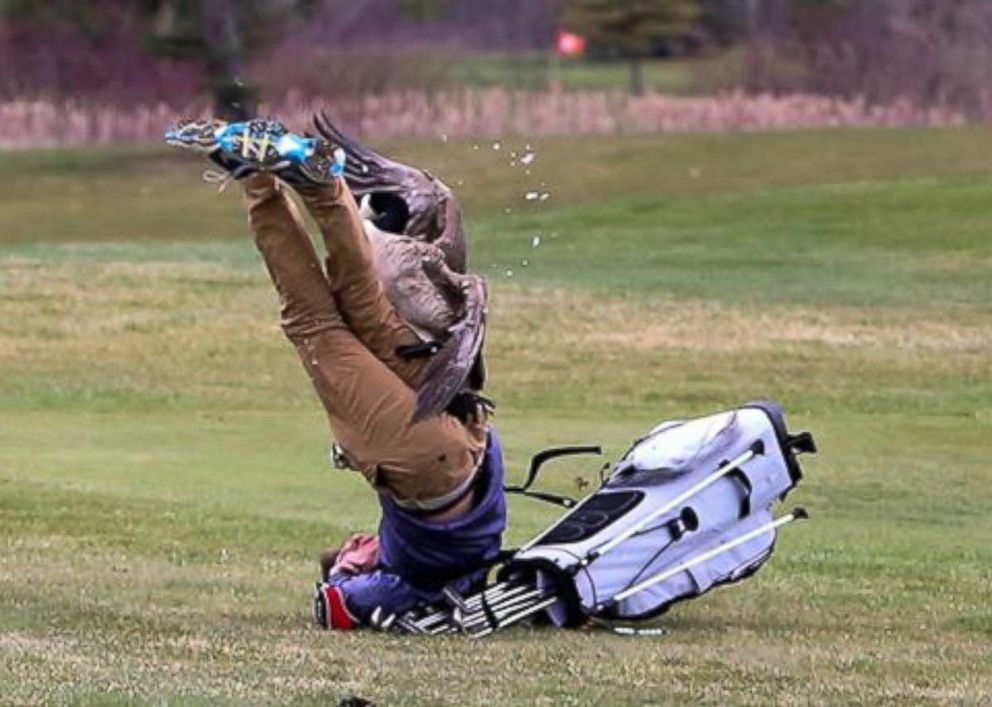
[(928, 51)]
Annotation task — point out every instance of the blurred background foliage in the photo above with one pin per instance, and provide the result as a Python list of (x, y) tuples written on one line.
[(929, 52)]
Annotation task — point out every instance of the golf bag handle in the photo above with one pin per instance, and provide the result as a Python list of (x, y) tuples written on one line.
[(541, 458)]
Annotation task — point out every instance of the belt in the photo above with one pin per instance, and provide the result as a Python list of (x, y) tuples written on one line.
[(439, 504)]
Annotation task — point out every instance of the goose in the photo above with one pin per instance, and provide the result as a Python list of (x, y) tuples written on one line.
[(414, 224), (415, 276)]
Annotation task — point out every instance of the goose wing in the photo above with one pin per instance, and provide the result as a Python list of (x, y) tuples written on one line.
[(449, 369), (435, 214)]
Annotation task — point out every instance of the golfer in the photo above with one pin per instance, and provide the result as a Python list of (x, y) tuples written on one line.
[(440, 480)]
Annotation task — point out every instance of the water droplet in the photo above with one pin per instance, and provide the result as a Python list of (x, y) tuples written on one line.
[(535, 242), (525, 262), (528, 158), (509, 273), (527, 172), (545, 196), (365, 169), (475, 147), (497, 145), (507, 210), (513, 163), (532, 195), (513, 154), (444, 137), (460, 182)]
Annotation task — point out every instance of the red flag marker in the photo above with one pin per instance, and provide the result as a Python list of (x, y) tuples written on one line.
[(569, 44)]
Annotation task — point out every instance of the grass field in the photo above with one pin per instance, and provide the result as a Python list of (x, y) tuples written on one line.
[(535, 71), (163, 479)]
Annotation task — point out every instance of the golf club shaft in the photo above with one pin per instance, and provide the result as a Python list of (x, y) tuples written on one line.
[(476, 600), (509, 620), (496, 593), (499, 610), (493, 593)]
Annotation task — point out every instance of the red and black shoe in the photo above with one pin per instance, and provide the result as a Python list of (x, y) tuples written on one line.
[(329, 609)]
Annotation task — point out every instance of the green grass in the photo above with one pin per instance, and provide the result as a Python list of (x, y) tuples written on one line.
[(536, 71), (163, 479)]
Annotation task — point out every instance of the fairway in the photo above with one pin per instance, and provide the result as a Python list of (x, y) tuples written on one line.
[(164, 481)]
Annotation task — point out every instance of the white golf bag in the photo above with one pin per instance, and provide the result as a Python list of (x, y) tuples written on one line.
[(686, 509)]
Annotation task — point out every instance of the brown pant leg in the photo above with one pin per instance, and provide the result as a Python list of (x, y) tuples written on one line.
[(306, 304), (359, 292), (369, 407)]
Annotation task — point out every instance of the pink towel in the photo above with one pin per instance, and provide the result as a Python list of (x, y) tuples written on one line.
[(359, 554)]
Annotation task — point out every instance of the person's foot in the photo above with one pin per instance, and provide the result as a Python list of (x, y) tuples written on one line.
[(260, 145)]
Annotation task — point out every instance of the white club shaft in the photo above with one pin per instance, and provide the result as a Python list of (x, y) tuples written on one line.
[(496, 594), (491, 596), (501, 610), (431, 619), (517, 617)]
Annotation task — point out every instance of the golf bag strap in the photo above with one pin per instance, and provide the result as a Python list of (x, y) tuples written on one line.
[(537, 461)]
